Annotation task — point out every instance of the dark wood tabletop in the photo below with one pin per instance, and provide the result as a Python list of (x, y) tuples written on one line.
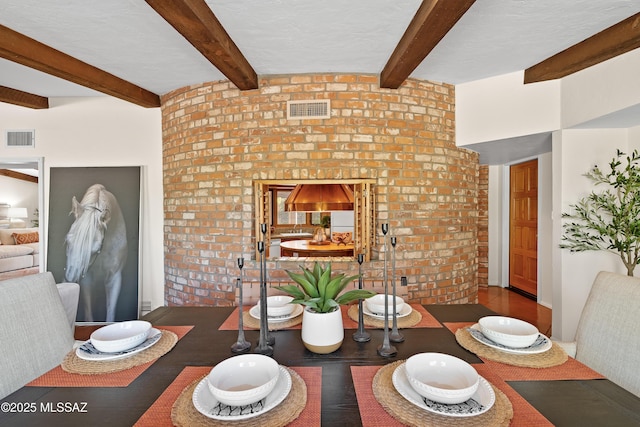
[(585, 402)]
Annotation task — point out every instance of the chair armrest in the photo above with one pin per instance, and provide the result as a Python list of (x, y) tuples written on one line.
[(568, 346), (69, 294)]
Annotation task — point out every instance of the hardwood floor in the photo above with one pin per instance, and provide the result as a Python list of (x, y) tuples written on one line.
[(513, 304)]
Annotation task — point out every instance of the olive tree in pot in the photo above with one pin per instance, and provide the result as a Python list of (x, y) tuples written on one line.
[(609, 220), (319, 292)]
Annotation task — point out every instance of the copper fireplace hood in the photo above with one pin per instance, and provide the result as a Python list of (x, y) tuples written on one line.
[(319, 198)]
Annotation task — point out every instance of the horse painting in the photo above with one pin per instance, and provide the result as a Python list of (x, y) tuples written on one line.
[(96, 247)]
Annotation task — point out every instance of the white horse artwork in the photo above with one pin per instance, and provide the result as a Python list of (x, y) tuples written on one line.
[(97, 249)]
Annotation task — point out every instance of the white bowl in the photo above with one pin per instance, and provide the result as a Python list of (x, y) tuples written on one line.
[(441, 377), (242, 380), (375, 304), (508, 331), (120, 336), (279, 305)]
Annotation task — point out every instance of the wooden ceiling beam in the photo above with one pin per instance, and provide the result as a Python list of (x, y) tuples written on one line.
[(431, 23), (18, 175), (611, 42), (23, 99), (19, 48), (197, 23)]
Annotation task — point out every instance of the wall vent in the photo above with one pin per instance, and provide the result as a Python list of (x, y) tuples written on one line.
[(20, 138), (314, 109)]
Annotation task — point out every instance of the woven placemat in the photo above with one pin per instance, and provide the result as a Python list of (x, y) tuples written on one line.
[(372, 322), (251, 322), (73, 364), (553, 357), (183, 413), (407, 413)]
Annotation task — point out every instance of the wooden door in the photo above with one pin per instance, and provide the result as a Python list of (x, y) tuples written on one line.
[(523, 227)]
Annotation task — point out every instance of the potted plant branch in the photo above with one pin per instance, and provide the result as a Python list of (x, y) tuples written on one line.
[(610, 220), (319, 292)]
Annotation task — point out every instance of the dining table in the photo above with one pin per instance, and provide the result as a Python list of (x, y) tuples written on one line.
[(340, 386)]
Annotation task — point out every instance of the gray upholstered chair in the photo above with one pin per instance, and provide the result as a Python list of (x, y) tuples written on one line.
[(607, 339), (36, 327)]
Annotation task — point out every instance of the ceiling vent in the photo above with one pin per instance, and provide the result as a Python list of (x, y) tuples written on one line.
[(314, 109), (20, 138)]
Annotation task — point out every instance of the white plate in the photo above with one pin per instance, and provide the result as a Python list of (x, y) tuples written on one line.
[(480, 402), (404, 311), (88, 352), (255, 313), (541, 345), (210, 407)]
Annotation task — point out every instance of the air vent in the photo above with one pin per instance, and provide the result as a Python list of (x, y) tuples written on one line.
[(20, 138), (315, 109)]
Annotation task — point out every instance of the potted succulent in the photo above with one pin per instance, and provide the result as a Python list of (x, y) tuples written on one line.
[(319, 292)]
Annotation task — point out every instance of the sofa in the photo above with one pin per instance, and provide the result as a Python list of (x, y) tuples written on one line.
[(19, 252), (37, 318)]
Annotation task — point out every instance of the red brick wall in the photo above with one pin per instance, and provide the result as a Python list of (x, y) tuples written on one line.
[(217, 140)]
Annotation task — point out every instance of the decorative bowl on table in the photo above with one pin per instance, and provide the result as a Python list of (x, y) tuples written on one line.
[(442, 378), (375, 304), (243, 380), (510, 332), (279, 305), (120, 336)]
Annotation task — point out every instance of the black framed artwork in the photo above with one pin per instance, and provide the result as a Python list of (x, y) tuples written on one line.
[(93, 238)]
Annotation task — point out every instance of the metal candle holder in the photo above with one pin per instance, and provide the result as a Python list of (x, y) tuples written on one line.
[(271, 340), (361, 335), (263, 344), (395, 335), (242, 345), (386, 349)]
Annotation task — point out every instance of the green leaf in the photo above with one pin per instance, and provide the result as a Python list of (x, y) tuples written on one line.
[(354, 295), (292, 290), (307, 286)]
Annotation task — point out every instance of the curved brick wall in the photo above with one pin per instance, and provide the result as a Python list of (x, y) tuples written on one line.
[(217, 140)]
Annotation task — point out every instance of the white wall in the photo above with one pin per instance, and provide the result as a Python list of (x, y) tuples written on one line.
[(495, 231), (20, 194), (545, 224), (607, 87), (574, 153), (634, 138), (102, 131), (503, 107)]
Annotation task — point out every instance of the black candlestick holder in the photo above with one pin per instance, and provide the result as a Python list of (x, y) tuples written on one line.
[(386, 349), (361, 335), (241, 345), (395, 335), (271, 339), (263, 344)]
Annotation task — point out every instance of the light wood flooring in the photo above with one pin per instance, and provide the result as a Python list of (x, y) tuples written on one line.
[(509, 303)]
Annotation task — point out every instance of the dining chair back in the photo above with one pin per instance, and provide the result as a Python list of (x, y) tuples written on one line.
[(35, 332), (607, 338)]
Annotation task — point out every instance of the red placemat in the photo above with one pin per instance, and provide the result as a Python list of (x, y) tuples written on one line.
[(159, 414), (570, 370), (427, 321), (57, 377), (374, 415)]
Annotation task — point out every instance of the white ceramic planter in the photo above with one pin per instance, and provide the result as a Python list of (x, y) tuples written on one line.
[(322, 333)]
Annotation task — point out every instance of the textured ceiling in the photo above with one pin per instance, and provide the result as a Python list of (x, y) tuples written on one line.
[(130, 40)]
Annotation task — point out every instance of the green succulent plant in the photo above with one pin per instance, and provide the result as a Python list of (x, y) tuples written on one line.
[(319, 290)]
